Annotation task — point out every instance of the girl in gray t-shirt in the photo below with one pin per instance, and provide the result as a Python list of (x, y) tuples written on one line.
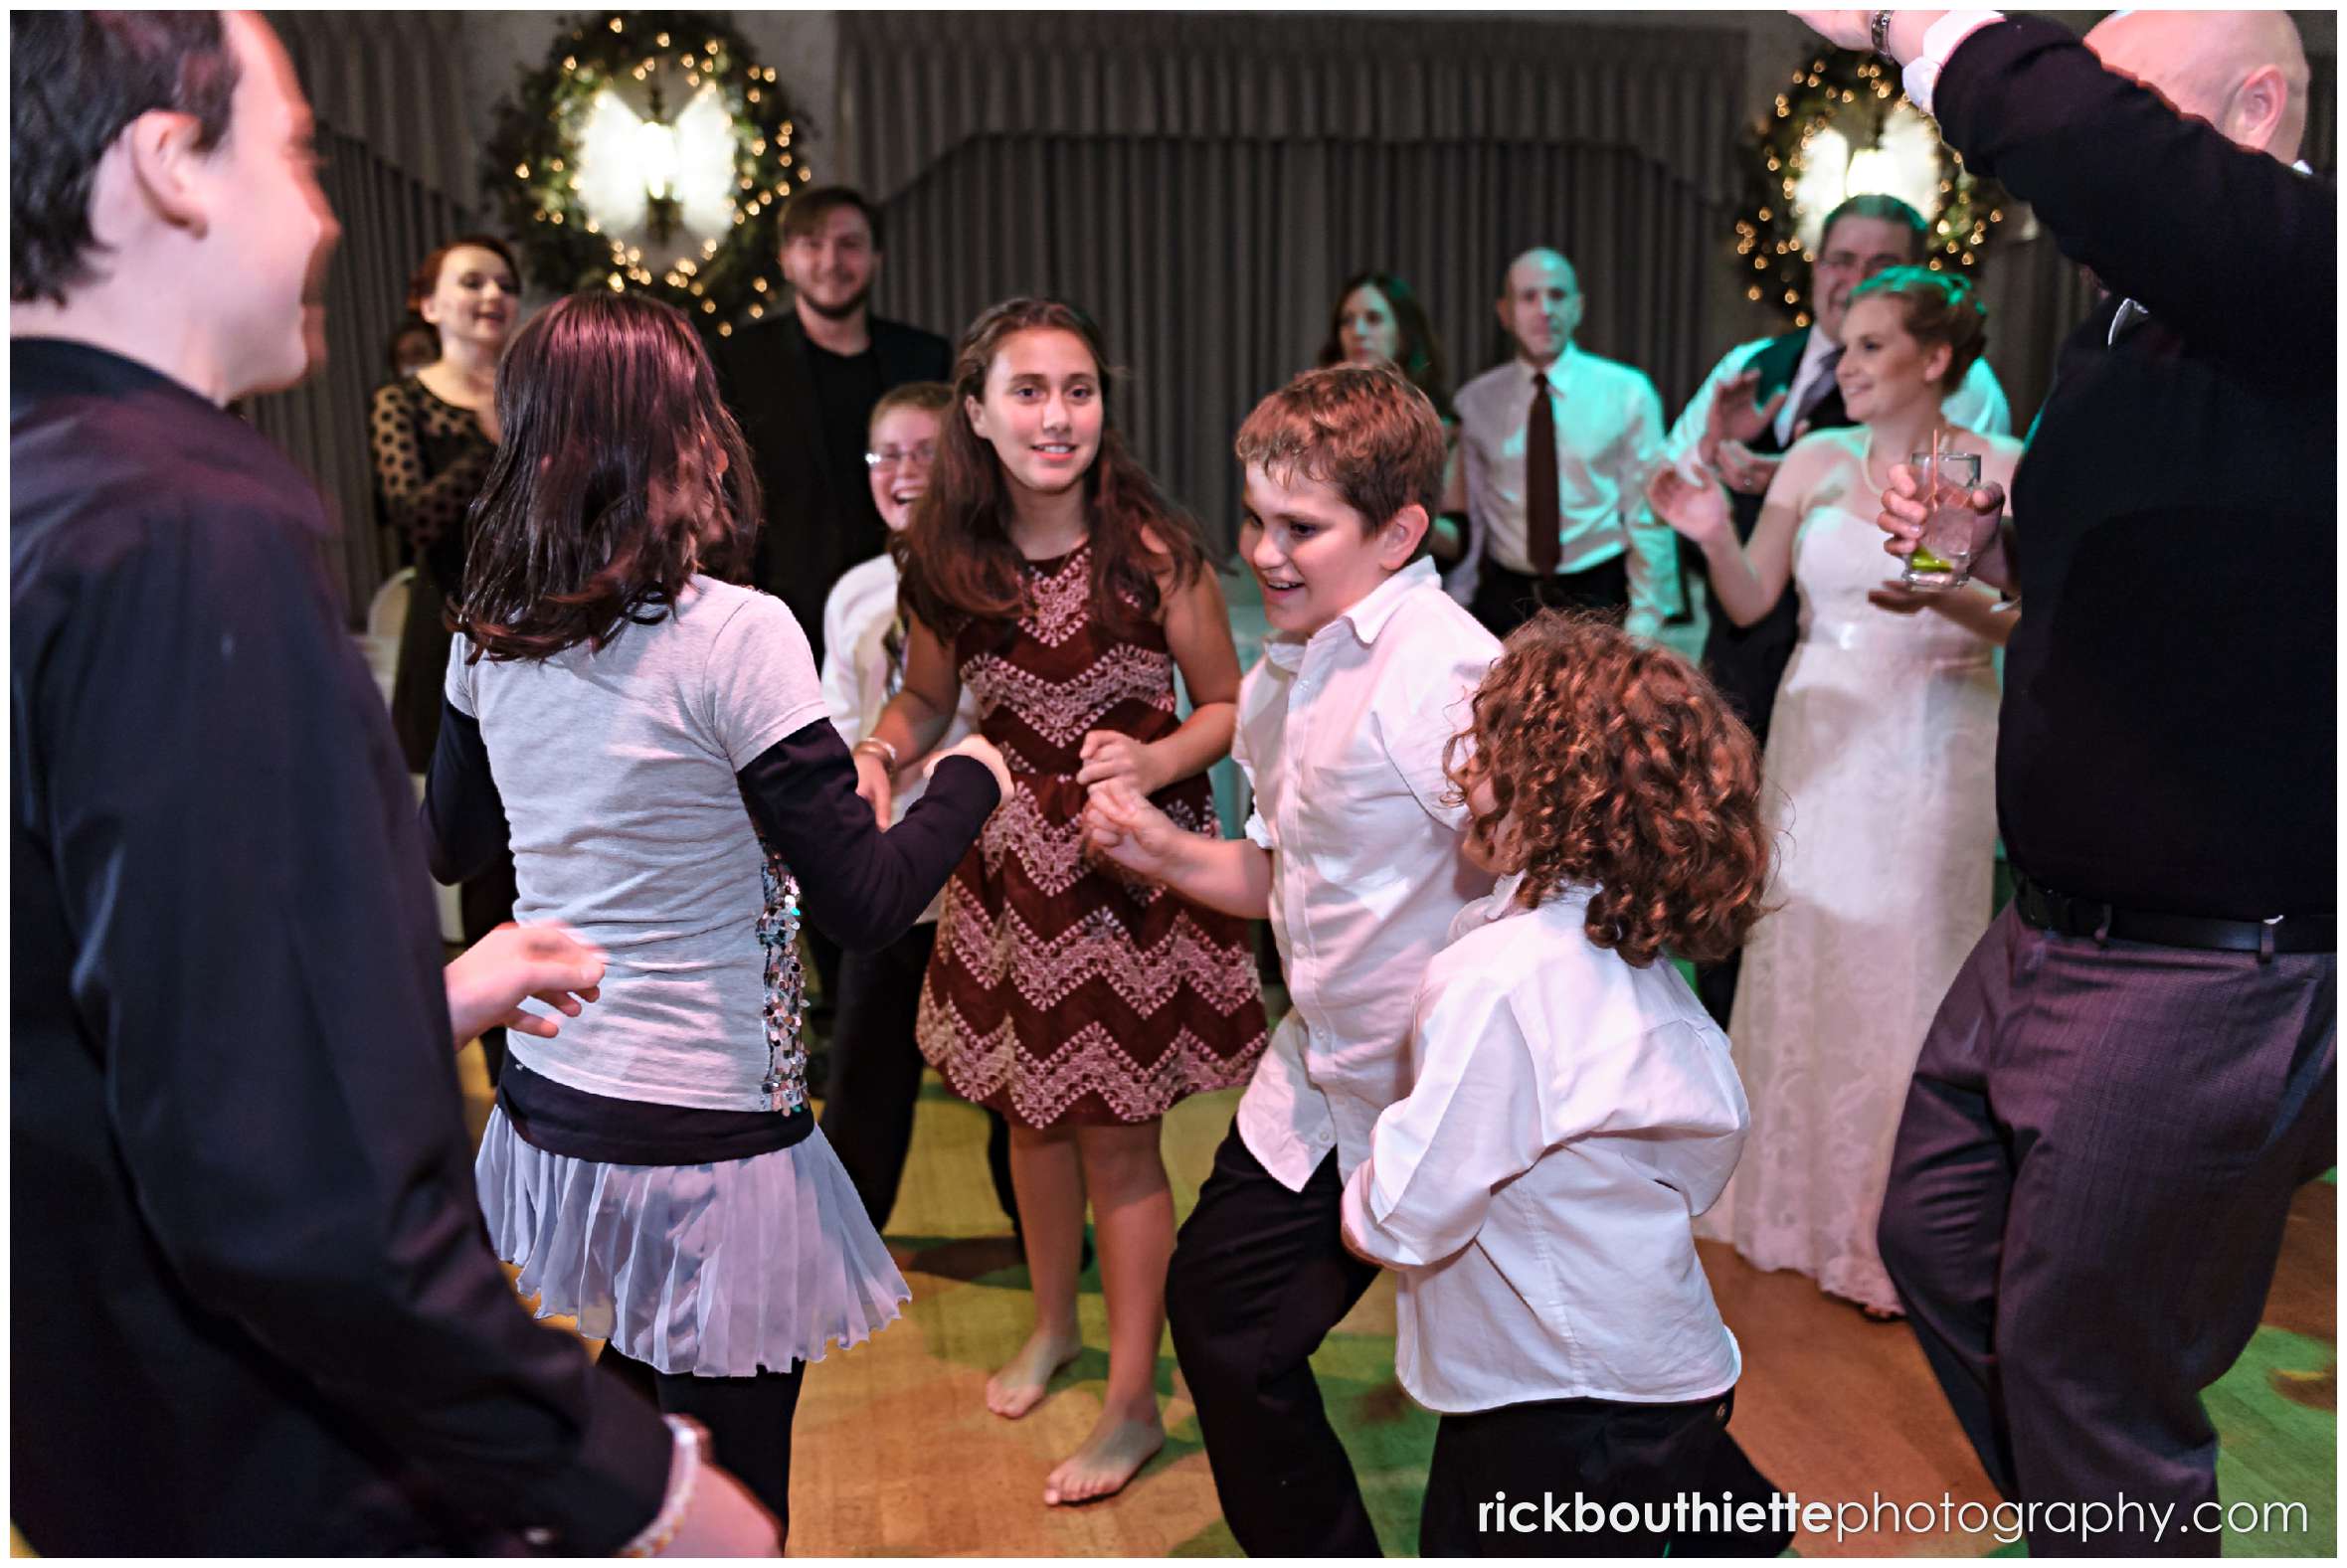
[(650, 739)]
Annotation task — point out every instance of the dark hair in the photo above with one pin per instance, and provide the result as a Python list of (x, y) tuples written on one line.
[(930, 397), (1938, 307), (425, 279), (1888, 209), (603, 397), (408, 331), (1616, 764), (1361, 430), (1419, 349), (958, 561), (805, 213), (77, 79)]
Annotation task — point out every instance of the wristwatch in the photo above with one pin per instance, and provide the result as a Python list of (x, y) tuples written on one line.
[(1880, 28)]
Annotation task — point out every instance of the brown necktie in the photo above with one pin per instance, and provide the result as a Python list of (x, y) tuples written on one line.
[(1540, 523)]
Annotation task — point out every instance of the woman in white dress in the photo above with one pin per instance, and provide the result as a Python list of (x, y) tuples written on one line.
[(1878, 786)]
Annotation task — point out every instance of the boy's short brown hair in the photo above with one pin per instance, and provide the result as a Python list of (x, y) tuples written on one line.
[(930, 397), (1361, 430)]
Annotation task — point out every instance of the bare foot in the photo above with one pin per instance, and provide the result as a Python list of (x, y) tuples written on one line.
[(1019, 1387), (1110, 1456)]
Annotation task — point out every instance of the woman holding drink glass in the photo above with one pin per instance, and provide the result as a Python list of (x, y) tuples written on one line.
[(1880, 760)]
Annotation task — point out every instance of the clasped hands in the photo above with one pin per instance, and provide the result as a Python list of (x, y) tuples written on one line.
[(875, 781)]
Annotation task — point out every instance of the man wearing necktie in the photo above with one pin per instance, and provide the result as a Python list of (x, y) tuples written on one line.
[(1558, 445)]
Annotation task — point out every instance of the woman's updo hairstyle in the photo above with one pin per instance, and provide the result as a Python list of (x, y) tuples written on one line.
[(1938, 307)]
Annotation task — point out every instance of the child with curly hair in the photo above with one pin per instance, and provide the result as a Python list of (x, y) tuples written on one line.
[(1573, 1106)]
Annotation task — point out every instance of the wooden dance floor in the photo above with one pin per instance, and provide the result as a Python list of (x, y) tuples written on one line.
[(897, 1455)]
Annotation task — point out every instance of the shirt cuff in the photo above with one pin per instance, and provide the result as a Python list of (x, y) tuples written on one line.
[(1259, 831), (1921, 76)]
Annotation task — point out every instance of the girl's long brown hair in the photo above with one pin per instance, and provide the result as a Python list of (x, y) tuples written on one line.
[(602, 396), (957, 562), (1617, 763)]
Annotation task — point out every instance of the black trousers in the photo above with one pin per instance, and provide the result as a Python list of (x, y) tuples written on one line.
[(875, 1076), (1503, 1481), (484, 903), (749, 1421), (1259, 1277), (2087, 1202), (1746, 663), (1506, 599)]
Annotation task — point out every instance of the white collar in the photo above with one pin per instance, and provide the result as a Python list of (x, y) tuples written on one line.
[(1556, 370), (1365, 619), (1502, 905)]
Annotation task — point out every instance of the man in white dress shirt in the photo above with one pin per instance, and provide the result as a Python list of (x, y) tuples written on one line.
[(1558, 445)]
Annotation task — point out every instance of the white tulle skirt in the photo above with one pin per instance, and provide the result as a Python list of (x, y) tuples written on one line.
[(722, 1270)]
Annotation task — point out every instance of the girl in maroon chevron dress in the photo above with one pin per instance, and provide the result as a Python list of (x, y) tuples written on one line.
[(1046, 573)]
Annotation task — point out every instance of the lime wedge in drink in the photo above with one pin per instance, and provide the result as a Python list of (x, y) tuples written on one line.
[(1925, 560)]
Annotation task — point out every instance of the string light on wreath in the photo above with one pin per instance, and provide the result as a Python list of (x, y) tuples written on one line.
[(651, 152), (1843, 128)]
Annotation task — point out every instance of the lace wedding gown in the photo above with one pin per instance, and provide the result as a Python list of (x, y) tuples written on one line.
[(1878, 789)]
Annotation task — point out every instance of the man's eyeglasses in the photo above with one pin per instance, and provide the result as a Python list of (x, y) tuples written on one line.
[(894, 457)]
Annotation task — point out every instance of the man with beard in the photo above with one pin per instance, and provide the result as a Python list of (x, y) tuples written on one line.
[(803, 386)]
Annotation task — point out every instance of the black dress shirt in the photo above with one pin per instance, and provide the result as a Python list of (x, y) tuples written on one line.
[(253, 1304), (819, 517), (2169, 737)]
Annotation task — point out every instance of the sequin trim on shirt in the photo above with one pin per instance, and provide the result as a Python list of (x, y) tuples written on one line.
[(784, 1005)]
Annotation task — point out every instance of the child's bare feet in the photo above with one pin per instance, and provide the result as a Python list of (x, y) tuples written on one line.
[(1112, 1455), (1019, 1387)]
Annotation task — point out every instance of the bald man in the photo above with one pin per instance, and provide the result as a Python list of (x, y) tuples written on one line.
[(2138, 1063), (1558, 444)]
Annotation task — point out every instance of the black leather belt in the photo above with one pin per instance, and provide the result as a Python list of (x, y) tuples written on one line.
[(2044, 908)]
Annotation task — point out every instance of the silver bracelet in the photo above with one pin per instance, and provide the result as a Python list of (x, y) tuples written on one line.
[(872, 745), (684, 1468)]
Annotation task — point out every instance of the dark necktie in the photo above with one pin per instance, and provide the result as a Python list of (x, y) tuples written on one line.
[(1820, 385), (1541, 521), (892, 648)]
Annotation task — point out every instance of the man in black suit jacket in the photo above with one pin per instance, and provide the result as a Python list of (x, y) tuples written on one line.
[(1759, 400), (803, 386), (253, 1310), (2138, 1063)]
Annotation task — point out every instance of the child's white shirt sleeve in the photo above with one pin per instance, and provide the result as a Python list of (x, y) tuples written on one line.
[(1482, 1113)]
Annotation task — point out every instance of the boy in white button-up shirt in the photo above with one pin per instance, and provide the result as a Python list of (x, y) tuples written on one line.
[(1573, 1108), (1354, 853)]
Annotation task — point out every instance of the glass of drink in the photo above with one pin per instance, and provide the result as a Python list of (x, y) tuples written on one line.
[(1943, 555)]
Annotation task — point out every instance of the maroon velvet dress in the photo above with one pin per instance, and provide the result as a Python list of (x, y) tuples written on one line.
[(1060, 991)]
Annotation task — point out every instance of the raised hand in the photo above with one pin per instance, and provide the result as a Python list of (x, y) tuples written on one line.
[(490, 980), (1842, 29), (1697, 510), (1735, 417), (978, 749), (1905, 511), (1745, 470)]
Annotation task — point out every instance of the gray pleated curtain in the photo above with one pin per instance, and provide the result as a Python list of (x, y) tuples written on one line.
[(387, 90), (1202, 184)]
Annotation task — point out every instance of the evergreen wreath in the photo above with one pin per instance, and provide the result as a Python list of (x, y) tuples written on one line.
[(1855, 94), (530, 167)]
